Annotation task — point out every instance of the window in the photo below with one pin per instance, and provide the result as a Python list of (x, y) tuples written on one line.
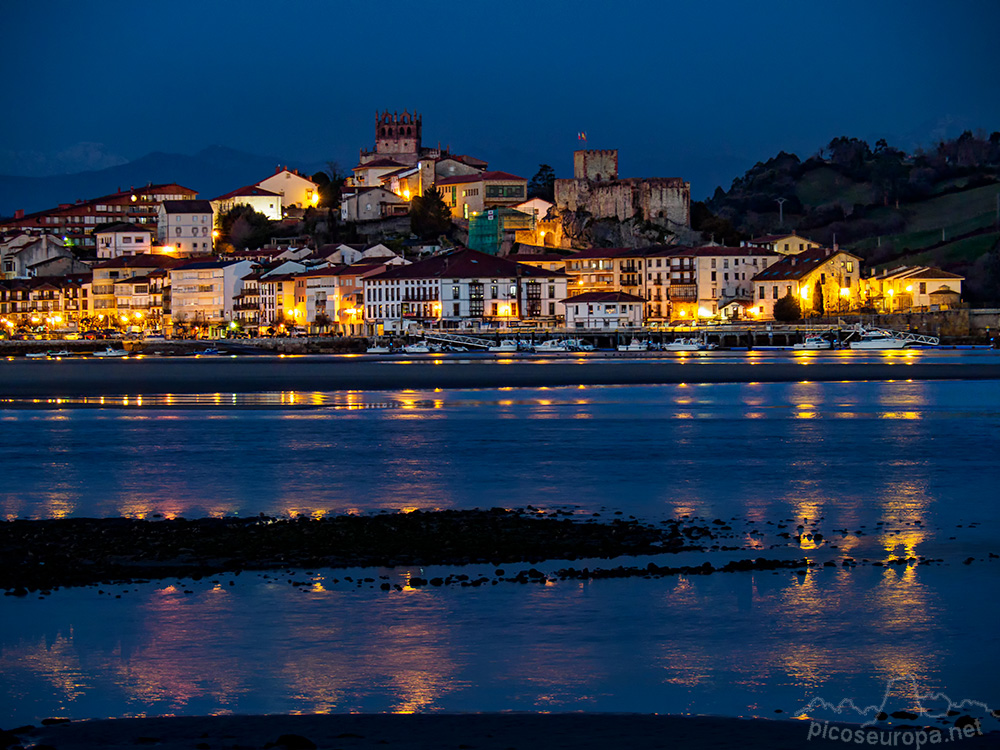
[(725, 262), (725, 277), (126, 240), (456, 293), (552, 291), (923, 287), (850, 266), (774, 292), (713, 262), (496, 310), (456, 309), (552, 308), (760, 294), (713, 275)]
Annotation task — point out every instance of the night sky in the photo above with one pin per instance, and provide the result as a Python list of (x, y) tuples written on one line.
[(699, 90)]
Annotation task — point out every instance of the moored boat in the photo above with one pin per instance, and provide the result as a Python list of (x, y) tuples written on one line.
[(634, 346), (507, 345), (876, 338), (109, 352), (552, 345), (685, 345), (418, 348), (813, 343)]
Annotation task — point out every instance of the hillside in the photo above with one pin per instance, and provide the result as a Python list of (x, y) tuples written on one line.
[(213, 171), (939, 207)]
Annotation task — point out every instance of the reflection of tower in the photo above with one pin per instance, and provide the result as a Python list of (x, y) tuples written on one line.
[(397, 133)]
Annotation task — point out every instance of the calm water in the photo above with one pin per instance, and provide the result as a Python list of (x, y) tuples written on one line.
[(911, 465)]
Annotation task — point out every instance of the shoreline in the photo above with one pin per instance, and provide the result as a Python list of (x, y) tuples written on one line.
[(505, 731), (150, 376)]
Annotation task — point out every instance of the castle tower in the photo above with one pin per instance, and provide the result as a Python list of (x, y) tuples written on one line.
[(397, 134), (598, 166)]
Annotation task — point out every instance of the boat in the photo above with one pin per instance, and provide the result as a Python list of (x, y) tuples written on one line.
[(210, 352), (60, 353), (378, 349), (552, 345), (685, 345), (109, 352), (813, 343), (418, 348), (507, 345), (36, 355), (876, 338), (634, 346)]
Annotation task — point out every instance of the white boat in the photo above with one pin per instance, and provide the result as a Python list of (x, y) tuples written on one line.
[(634, 346), (876, 338), (507, 345), (418, 348), (36, 355), (685, 345), (109, 352), (378, 349), (813, 343), (60, 353), (552, 345)]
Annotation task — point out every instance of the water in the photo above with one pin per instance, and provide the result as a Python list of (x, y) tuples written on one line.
[(911, 465)]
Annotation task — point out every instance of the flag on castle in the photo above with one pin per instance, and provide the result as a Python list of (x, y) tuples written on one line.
[(581, 136)]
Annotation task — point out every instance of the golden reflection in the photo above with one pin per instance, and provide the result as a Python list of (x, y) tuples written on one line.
[(900, 415)]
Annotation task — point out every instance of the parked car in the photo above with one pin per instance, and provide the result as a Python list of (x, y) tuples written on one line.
[(92, 335)]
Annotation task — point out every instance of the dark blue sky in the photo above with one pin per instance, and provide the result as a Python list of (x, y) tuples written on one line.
[(699, 90)]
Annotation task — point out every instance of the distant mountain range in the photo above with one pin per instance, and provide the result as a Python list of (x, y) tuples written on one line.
[(213, 171)]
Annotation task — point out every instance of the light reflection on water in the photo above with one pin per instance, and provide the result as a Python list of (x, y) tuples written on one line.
[(732, 644), (846, 455)]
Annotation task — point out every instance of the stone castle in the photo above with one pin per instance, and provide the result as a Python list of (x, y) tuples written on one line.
[(597, 190)]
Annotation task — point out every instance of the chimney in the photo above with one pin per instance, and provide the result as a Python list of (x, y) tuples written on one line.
[(19, 213)]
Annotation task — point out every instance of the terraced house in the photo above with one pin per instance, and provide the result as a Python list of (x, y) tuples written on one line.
[(463, 289)]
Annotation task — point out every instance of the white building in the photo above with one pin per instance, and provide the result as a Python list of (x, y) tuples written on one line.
[(604, 310), (186, 226), (294, 189), (203, 293), (463, 289), (721, 275), (122, 239), (260, 200)]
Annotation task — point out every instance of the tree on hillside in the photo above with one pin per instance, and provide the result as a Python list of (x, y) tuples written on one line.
[(543, 184), (242, 228), (713, 227), (787, 309), (330, 182), (430, 216)]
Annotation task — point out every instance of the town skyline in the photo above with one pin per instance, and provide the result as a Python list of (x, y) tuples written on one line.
[(701, 95)]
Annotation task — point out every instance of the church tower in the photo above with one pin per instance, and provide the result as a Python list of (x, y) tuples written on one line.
[(398, 134)]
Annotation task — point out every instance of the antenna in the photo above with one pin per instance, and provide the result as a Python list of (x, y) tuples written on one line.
[(781, 210)]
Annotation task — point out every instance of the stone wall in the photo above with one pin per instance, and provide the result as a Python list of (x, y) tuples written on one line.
[(664, 201)]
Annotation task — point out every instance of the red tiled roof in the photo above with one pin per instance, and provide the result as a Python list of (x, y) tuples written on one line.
[(604, 297), (378, 163), (142, 260), (247, 191), (465, 263), (797, 266)]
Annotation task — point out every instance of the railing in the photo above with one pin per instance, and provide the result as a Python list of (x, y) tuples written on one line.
[(682, 292)]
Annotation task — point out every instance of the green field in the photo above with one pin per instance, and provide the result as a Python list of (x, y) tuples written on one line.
[(955, 253), (824, 186)]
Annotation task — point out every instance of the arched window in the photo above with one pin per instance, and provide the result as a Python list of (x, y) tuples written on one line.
[(383, 132), (407, 131)]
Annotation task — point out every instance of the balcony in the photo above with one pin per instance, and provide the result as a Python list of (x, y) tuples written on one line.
[(683, 292), (246, 306)]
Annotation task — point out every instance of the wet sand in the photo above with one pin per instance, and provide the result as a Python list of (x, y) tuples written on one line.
[(147, 376), (436, 731)]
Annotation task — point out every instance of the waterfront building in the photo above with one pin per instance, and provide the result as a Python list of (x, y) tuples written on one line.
[(604, 311), (55, 303), (834, 274), (203, 293), (121, 287), (463, 288), (912, 289), (714, 277)]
